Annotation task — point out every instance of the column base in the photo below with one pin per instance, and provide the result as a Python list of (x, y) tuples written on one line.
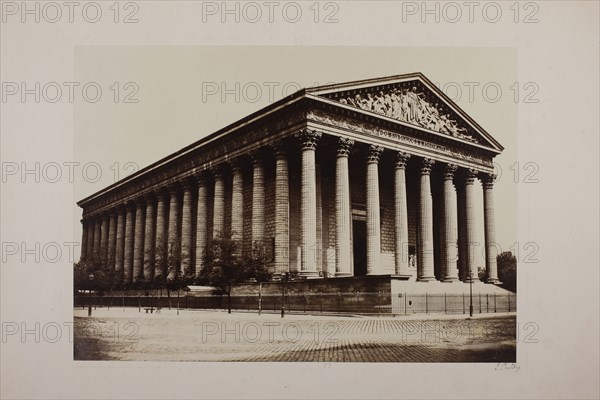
[(426, 279), (343, 275), (450, 279), (402, 277), (494, 281)]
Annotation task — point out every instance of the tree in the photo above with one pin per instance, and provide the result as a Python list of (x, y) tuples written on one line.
[(256, 265), (167, 265), (507, 270), (223, 266)]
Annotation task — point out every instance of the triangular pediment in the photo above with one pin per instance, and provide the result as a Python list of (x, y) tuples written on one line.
[(412, 100)]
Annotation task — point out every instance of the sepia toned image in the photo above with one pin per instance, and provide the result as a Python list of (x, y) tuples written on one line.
[(343, 205), (299, 199)]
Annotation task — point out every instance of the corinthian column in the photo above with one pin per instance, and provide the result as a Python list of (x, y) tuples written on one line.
[(258, 203), (425, 249), (160, 261), (490, 229), (237, 205), (450, 229), (84, 238), (471, 226), (308, 139), (174, 249), (373, 217), (98, 238), (90, 239), (120, 243), (186, 229), (401, 217), (104, 240), (138, 245), (112, 237), (149, 240), (282, 211), (343, 250), (219, 204), (201, 223), (129, 240)]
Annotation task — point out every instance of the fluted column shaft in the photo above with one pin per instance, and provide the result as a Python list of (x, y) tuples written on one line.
[(449, 246), (201, 224), (219, 205), (104, 241), (490, 229), (237, 205), (308, 253), (282, 212), (425, 249), (161, 247), (120, 244), (90, 239), (343, 249), (401, 217), (129, 243), (258, 203), (84, 239), (97, 238), (471, 226), (186, 229), (174, 245), (112, 237), (138, 244), (149, 241), (373, 217)]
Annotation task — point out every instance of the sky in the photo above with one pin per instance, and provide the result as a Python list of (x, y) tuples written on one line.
[(157, 99)]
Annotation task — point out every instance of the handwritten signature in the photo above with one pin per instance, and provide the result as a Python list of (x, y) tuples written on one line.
[(507, 367)]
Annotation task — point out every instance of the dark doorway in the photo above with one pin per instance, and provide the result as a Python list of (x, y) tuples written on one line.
[(359, 244)]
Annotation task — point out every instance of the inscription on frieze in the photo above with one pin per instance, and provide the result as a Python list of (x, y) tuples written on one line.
[(371, 129)]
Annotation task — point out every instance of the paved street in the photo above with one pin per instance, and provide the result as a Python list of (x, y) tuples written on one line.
[(126, 334)]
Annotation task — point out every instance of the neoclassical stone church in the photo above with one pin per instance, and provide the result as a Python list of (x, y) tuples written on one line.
[(372, 177)]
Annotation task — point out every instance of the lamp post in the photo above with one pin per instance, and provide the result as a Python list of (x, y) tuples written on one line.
[(284, 279), (471, 294), (91, 278)]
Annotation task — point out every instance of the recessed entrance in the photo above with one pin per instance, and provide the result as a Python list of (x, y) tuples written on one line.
[(359, 247)]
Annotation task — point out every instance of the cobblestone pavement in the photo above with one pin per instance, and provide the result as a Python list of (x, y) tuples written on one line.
[(119, 334)]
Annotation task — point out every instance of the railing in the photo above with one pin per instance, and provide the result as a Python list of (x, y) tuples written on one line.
[(318, 303)]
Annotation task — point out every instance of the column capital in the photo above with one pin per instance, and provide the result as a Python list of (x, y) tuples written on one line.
[(402, 159), (217, 170), (487, 180), (150, 198), (280, 148), (188, 183), (130, 205), (426, 165), (173, 187), (374, 153), (200, 175), (236, 164), (160, 192), (449, 171), (308, 138), (140, 201), (344, 147), (470, 175)]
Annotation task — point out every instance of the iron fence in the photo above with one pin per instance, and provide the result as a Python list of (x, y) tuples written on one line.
[(317, 303)]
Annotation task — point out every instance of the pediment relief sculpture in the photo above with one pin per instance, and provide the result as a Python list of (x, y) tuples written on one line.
[(409, 106)]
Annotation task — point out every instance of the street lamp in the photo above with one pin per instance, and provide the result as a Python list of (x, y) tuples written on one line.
[(471, 293), (284, 278), (91, 278)]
